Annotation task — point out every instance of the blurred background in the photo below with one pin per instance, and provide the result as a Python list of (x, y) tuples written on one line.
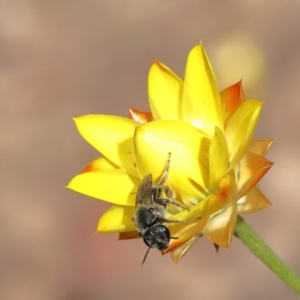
[(61, 59)]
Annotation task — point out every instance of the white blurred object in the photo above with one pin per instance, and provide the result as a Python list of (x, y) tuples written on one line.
[(238, 57)]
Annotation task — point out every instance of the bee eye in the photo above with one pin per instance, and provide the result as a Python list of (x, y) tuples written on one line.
[(151, 210)]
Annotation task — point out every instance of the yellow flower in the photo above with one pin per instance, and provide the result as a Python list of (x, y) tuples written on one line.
[(215, 164)]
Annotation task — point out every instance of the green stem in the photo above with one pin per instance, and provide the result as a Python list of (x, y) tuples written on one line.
[(264, 252)]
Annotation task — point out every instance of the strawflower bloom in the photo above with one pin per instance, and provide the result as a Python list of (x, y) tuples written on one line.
[(215, 163)]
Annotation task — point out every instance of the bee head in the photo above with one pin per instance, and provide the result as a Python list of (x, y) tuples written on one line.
[(157, 236)]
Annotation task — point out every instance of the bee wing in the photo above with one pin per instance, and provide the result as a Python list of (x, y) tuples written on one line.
[(144, 192)]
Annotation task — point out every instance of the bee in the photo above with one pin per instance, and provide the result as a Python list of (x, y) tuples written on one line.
[(151, 204)]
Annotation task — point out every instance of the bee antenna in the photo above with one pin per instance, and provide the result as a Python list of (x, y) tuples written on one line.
[(145, 256)]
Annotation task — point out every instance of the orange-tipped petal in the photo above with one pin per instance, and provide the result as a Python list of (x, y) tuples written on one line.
[(252, 168), (113, 186), (100, 163), (216, 202), (112, 136), (240, 129), (254, 201), (201, 105), (178, 253), (260, 147), (140, 116), (164, 91), (184, 233), (116, 219), (189, 156), (129, 235), (218, 159), (231, 98), (220, 228)]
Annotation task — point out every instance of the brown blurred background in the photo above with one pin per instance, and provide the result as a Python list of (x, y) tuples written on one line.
[(61, 59)]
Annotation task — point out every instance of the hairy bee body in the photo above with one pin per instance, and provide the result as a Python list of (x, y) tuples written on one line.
[(150, 208)]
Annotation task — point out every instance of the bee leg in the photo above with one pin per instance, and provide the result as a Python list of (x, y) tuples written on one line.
[(166, 201), (164, 178), (164, 220), (169, 197)]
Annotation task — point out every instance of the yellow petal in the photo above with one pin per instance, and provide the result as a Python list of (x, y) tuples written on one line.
[(201, 104), (113, 186), (112, 136), (165, 92), (254, 201), (178, 253), (240, 129), (100, 163), (260, 147), (231, 99), (189, 156), (220, 228), (209, 205), (116, 219), (218, 159), (252, 168)]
